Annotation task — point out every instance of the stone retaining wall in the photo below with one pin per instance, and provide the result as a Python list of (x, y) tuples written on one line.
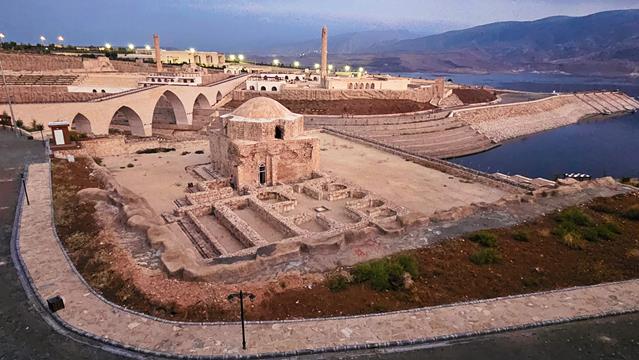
[(120, 145), (418, 95)]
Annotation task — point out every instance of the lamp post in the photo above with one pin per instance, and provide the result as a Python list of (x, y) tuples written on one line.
[(241, 296)]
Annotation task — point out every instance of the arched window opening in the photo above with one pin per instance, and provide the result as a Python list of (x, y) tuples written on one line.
[(263, 88), (252, 87), (274, 88)]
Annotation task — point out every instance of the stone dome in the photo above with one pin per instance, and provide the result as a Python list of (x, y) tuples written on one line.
[(262, 109)]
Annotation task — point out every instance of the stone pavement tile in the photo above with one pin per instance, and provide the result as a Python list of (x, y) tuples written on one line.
[(53, 274)]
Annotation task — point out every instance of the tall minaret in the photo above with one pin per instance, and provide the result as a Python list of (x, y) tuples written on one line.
[(158, 54), (324, 61)]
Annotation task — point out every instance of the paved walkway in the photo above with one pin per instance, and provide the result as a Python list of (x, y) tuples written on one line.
[(52, 274)]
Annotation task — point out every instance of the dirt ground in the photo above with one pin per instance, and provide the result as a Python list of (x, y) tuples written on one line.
[(474, 96), (160, 178), (407, 184), (352, 107), (542, 261)]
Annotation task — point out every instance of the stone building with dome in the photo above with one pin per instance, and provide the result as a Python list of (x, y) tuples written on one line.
[(262, 143)]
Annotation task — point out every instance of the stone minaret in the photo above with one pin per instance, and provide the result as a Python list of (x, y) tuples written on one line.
[(324, 61), (158, 55)]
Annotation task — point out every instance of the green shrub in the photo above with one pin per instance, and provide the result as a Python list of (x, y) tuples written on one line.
[(337, 282), (573, 216), (409, 264), (385, 274), (484, 239), (521, 236), (19, 123), (485, 256), (632, 213)]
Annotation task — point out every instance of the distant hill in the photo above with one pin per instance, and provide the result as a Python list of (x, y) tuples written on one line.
[(602, 43), (350, 43)]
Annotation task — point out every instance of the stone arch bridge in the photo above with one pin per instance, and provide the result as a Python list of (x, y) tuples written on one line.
[(139, 107)]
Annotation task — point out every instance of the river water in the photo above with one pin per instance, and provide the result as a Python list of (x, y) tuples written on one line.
[(601, 147)]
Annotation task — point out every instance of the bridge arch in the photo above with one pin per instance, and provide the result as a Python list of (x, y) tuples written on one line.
[(218, 97), (81, 124), (201, 102), (169, 109), (127, 117)]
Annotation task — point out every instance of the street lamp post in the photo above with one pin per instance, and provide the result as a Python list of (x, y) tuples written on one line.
[(241, 295)]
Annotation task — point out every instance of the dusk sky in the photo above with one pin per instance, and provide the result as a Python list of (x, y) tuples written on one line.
[(245, 25)]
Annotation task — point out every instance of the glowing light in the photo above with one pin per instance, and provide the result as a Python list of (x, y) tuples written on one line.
[(147, 47), (316, 66), (232, 57), (107, 46), (191, 50), (60, 38), (276, 62), (240, 57), (361, 69), (330, 67), (131, 46), (42, 38), (347, 68), (296, 64), (1, 36)]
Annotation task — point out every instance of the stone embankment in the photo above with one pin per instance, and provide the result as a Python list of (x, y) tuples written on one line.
[(428, 133), (503, 122)]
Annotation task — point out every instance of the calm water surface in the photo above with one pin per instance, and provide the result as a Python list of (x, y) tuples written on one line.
[(603, 147)]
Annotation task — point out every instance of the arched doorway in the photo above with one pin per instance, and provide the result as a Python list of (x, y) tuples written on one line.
[(169, 110), (252, 88), (218, 97), (274, 88), (81, 124), (263, 88), (126, 121), (262, 174), (201, 111)]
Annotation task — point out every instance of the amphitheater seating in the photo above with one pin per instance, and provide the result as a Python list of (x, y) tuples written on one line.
[(428, 134), (41, 79)]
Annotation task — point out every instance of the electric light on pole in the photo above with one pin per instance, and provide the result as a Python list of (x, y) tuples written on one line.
[(241, 296), (147, 47), (131, 47), (361, 69), (60, 39), (42, 39), (240, 57), (296, 63), (347, 68), (192, 50), (232, 57), (330, 67), (1, 37), (276, 62), (316, 66), (107, 46)]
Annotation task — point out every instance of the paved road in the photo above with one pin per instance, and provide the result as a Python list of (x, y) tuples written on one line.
[(24, 334), (614, 337)]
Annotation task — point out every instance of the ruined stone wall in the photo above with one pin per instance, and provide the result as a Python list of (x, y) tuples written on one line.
[(39, 62), (314, 121), (119, 145), (419, 95), (30, 94)]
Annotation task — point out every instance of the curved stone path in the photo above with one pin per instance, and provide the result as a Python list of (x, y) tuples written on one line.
[(51, 273)]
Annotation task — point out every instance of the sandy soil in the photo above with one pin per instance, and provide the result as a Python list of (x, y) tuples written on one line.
[(159, 178), (413, 186)]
